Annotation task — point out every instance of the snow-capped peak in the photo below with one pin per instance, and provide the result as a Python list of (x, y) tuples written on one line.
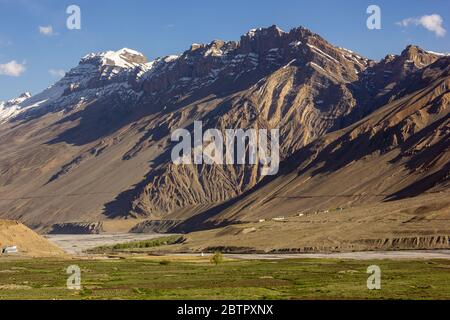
[(10, 108), (170, 58), (16, 101), (97, 75), (124, 58), (25, 94), (253, 32), (129, 51)]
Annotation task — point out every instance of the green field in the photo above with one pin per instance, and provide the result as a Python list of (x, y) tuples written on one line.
[(236, 279)]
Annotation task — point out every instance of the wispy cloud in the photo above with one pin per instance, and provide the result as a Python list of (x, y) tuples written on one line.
[(12, 69), (57, 73), (46, 30), (432, 22)]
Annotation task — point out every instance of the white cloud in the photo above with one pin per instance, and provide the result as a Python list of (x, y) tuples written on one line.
[(46, 30), (12, 68), (57, 73), (432, 22)]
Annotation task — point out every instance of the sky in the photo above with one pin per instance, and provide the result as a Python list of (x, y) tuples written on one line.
[(36, 47)]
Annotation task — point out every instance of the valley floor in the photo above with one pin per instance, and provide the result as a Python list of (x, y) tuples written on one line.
[(196, 278), (77, 244)]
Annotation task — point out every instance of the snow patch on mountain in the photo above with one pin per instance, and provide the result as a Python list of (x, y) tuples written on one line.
[(11, 108), (124, 58), (438, 53), (97, 75)]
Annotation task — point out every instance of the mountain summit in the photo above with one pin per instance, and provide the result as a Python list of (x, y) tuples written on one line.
[(11, 108), (124, 58)]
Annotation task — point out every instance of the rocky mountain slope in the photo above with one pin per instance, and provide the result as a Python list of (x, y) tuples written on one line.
[(400, 151), (96, 145)]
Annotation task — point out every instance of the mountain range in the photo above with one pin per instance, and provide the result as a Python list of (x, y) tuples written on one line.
[(92, 152)]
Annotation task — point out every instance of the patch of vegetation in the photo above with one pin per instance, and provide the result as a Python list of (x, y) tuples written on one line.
[(148, 278), (217, 258), (138, 245)]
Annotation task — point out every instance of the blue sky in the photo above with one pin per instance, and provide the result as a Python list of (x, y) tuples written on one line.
[(158, 28)]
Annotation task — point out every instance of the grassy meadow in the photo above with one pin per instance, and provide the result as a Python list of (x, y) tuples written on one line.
[(198, 278)]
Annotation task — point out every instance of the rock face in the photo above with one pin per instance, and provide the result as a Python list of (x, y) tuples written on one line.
[(96, 145), (382, 82), (399, 151), (295, 81)]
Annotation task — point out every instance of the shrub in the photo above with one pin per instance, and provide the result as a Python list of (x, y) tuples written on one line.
[(217, 258)]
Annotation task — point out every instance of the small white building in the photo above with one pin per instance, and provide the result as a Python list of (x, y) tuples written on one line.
[(8, 250)]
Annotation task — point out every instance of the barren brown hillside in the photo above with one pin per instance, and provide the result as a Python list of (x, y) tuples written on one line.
[(28, 243), (417, 223)]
